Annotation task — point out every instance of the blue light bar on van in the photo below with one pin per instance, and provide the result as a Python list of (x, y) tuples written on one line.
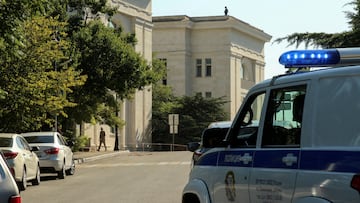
[(306, 58), (320, 57)]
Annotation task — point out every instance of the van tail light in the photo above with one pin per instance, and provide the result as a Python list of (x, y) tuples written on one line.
[(355, 182), (10, 155), (15, 199), (52, 151)]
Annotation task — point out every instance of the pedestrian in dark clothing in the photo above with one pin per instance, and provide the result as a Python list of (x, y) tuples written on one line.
[(102, 139), (226, 11)]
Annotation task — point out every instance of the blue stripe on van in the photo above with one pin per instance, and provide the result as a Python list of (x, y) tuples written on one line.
[(208, 159), (334, 160), (274, 158), (316, 160)]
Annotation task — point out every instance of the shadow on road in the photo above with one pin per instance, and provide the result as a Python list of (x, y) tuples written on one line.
[(48, 177)]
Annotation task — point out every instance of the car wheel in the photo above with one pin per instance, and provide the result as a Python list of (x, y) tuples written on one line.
[(61, 173), (36, 181), (71, 170), (23, 183)]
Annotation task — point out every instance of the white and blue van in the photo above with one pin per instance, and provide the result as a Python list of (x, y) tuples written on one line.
[(295, 139)]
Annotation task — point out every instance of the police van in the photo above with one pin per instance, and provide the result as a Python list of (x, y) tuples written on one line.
[(296, 137)]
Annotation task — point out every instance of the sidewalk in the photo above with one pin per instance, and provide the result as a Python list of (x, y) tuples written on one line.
[(81, 157)]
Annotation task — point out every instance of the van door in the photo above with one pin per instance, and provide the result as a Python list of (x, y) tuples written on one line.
[(275, 163), (231, 178)]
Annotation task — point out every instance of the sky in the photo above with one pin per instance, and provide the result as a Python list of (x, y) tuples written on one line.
[(278, 18)]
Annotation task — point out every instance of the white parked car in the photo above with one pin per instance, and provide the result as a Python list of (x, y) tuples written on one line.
[(22, 161), (211, 137), (55, 153), (9, 192)]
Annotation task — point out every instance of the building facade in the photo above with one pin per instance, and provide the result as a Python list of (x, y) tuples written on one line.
[(134, 16), (215, 56)]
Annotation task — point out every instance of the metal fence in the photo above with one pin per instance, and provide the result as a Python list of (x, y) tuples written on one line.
[(156, 147)]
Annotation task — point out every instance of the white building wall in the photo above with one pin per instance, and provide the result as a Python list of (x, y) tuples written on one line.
[(227, 41), (134, 16)]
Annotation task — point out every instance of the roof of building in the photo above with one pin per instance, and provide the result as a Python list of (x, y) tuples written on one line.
[(203, 19)]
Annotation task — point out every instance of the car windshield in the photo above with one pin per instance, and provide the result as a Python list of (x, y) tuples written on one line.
[(40, 139), (5, 142)]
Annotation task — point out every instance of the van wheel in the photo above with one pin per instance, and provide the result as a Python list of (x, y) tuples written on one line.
[(36, 181), (61, 173), (23, 183)]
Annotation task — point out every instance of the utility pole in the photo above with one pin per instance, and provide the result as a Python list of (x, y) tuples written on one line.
[(116, 146)]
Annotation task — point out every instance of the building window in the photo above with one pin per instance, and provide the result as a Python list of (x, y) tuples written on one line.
[(208, 94), (241, 72), (198, 67), (198, 94), (164, 80), (244, 73), (241, 69), (208, 67)]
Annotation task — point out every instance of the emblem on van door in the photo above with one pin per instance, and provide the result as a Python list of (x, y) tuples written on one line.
[(246, 158), (230, 186)]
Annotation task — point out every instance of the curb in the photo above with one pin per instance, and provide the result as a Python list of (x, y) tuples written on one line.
[(97, 157)]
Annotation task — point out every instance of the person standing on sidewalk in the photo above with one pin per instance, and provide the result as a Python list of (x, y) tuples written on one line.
[(102, 139)]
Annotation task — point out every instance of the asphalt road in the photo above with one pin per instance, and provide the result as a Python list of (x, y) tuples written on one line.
[(146, 177)]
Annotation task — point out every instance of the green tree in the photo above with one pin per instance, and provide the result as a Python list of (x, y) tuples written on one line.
[(164, 103), (12, 15), (107, 60), (349, 38), (113, 69), (195, 114), (36, 90)]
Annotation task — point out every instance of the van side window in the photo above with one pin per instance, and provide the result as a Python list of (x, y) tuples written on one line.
[(244, 133), (282, 126)]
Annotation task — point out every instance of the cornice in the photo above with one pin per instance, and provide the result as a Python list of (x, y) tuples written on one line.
[(210, 22), (131, 10)]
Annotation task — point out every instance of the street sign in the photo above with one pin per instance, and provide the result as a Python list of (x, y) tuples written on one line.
[(173, 119), (173, 124), (173, 129)]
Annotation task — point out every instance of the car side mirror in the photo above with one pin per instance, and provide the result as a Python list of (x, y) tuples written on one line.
[(192, 146), (35, 148)]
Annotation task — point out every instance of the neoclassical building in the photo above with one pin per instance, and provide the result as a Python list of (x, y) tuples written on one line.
[(134, 16), (214, 56)]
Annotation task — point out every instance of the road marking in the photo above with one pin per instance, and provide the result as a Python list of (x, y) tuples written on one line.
[(135, 164)]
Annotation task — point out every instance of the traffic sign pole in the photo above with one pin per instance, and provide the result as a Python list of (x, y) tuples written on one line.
[(173, 124)]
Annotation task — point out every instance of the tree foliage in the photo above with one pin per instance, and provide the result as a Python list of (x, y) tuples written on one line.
[(325, 40), (36, 91), (58, 60), (114, 70), (164, 102), (195, 114)]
